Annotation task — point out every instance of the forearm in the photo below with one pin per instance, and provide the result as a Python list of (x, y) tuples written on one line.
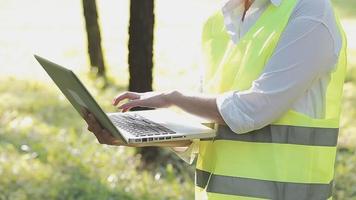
[(199, 105), (202, 106)]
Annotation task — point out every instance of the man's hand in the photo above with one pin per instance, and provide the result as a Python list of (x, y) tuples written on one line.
[(147, 99), (104, 137), (197, 104)]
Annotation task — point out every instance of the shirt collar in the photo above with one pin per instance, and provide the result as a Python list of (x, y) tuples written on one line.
[(229, 5)]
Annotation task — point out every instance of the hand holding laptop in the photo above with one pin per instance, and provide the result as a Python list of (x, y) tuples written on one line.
[(147, 99), (105, 137)]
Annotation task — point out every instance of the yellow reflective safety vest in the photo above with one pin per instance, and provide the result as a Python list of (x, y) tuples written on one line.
[(292, 158)]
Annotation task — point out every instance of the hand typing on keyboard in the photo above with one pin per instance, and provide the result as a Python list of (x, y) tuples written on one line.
[(200, 105), (147, 99)]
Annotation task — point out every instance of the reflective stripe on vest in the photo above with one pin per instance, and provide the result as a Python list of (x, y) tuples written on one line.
[(282, 134), (266, 189), (293, 158)]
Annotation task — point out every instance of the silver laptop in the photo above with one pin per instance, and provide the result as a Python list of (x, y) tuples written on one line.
[(131, 127)]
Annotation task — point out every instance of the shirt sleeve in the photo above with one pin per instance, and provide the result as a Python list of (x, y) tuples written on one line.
[(190, 153), (304, 53)]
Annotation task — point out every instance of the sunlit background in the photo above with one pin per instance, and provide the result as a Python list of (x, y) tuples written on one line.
[(56, 30), (45, 150)]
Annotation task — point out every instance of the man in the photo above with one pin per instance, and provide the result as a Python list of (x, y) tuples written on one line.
[(275, 75)]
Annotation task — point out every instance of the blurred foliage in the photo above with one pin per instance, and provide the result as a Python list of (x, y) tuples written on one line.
[(345, 169), (47, 153), (346, 8)]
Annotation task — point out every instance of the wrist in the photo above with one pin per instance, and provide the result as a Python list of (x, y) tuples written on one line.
[(172, 97)]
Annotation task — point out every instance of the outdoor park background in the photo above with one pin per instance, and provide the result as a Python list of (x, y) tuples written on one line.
[(46, 151)]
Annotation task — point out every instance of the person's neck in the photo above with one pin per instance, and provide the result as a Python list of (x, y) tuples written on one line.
[(247, 4)]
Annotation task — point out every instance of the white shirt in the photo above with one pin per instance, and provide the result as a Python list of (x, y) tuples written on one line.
[(296, 75)]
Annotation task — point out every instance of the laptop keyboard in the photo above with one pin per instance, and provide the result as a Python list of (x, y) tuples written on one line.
[(139, 126)]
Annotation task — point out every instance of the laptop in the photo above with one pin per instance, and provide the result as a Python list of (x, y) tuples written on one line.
[(130, 127)]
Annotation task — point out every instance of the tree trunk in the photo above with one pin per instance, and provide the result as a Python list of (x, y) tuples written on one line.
[(94, 38), (141, 57), (141, 45)]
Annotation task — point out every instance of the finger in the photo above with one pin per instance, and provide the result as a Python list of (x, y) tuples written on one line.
[(125, 95), (101, 140), (99, 136), (96, 127), (86, 119), (126, 109), (133, 103), (107, 137), (92, 119), (118, 143), (96, 132), (85, 114)]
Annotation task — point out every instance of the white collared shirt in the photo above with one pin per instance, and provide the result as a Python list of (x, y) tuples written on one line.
[(296, 75)]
